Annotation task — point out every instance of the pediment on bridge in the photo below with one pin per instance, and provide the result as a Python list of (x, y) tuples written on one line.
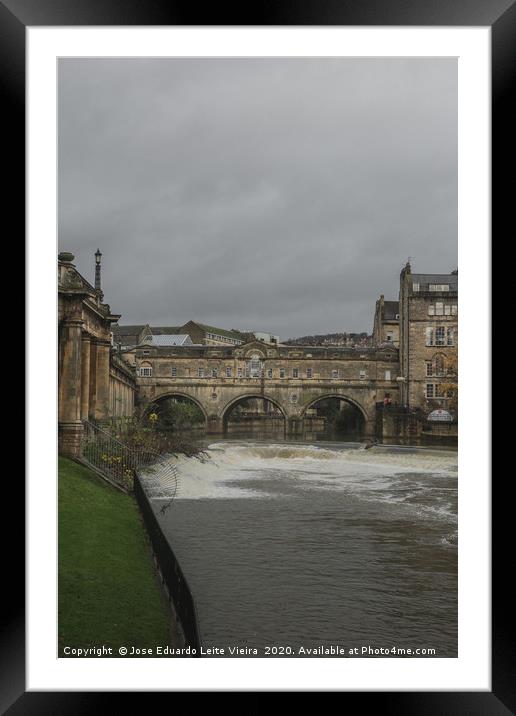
[(253, 348)]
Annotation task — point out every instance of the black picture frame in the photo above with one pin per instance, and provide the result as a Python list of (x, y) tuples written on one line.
[(15, 17)]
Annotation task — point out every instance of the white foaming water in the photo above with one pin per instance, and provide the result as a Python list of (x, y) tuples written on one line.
[(310, 544), (422, 481)]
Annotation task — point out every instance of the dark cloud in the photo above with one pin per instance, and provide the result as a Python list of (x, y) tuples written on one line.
[(281, 195)]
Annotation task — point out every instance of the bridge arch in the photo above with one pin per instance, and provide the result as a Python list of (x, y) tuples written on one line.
[(246, 396), (228, 407), (175, 394), (325, 396), (350, 423)]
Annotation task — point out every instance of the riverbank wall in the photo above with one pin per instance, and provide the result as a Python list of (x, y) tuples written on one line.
[(171, 574)]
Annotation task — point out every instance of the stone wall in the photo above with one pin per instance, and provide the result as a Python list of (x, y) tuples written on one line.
[(88, 377), (425, 360), (122, 388)]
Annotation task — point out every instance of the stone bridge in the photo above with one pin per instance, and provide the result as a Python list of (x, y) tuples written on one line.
[(293, 378)]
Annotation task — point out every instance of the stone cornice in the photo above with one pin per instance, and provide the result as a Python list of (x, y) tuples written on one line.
[(72, 321)]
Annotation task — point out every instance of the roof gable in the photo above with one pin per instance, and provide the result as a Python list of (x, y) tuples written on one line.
[(205, 328)]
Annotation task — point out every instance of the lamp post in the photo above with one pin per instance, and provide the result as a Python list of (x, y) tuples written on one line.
[(98, 257)]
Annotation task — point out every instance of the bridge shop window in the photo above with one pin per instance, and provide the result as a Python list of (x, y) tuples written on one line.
[(200, 372), (228, 372), (214, 372), (282, 372), (146, 370), (269, 372), (254, 367), (335, 373), (450, 340), (430, 390), (309, 372), (295, 372), (173, 371), (240, 372), (439, 287), (363, 375)]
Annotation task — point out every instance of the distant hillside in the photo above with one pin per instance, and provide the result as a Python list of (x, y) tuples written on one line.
[(332, 339)]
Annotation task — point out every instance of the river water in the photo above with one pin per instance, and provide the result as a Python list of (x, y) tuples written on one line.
[(311, 547)]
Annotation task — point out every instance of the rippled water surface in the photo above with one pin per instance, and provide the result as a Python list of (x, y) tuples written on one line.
[(318, 545)]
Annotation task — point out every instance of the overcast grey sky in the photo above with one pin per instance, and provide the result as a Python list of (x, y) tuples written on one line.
[(280, 195)]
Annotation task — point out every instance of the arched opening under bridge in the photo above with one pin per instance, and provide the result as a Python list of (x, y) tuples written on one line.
[(334, 417), (177, 412), (254, 416)]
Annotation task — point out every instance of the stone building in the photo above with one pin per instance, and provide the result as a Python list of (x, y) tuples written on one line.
[(293, 378), (413, 353), (93, 383), (128, 336), (428, 310), (211, 335), (200, 334), (386, 327)]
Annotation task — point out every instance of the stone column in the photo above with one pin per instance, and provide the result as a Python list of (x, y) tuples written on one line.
[(116, 407), (85, 378), (111, 396), (70, 425), (370, 428), (294, 425), (215, 425), (102, 380), (93, 379)]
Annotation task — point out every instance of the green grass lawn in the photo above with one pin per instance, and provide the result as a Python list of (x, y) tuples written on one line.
[(108, 590)]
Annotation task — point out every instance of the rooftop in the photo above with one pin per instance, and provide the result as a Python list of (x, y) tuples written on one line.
[(425, 279), (127, 330), (168, 340), (222, 331)]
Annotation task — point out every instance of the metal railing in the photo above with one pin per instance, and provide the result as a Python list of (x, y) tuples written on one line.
[(170, 571), (118, 462)]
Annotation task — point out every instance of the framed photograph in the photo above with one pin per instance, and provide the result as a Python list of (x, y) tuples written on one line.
[(249, 442)]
